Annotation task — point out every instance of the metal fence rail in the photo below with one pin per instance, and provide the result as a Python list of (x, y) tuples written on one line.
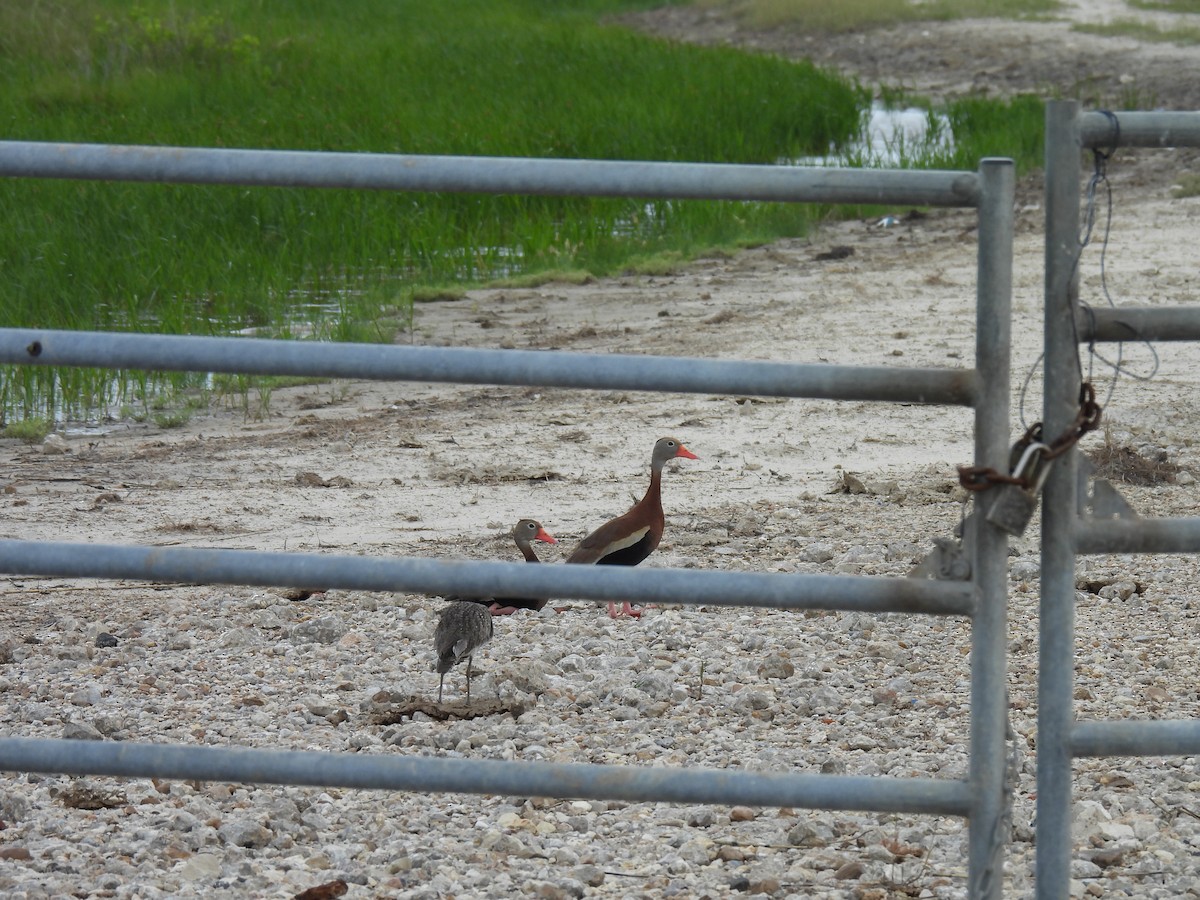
[(597, 371), (486, 175), (980, 797), (488, 776), (474, 578), (1140, 323), (1064, 532)]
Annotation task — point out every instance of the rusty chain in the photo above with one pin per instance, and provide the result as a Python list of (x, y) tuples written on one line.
[(980, 478)]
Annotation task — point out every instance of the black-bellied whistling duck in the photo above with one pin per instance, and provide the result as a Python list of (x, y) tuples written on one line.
[(628, 539), (462, 628), (524, 534)]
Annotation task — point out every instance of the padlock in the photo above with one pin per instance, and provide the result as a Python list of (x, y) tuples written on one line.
[(1015, 504)]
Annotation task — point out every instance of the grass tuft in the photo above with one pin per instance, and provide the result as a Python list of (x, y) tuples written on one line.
[(32, 430), (1188, 186)]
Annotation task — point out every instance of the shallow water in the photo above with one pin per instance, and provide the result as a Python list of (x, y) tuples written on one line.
[(891, 137)]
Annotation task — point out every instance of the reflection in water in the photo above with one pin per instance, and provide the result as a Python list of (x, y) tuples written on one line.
[(890, 138)]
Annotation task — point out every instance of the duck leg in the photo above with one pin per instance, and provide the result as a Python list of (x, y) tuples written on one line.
[(497, 610), (625, 612)]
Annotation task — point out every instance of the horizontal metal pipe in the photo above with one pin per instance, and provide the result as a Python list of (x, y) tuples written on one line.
[(1136, 738), (486, 175), (483, 776), (486, 579), (1140, 323), (1138, 536), (1139, 129), (387, 362)]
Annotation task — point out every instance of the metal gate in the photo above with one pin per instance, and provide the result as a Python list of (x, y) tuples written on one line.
[(1066, 531), (981, 797)]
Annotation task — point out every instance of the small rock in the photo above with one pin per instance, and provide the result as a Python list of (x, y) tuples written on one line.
[(506, 844), (318, 706), (330, 890), (862, 742), (593, 876), (104, 639), (202, 866), (1083, 868), (817, 553), (89, 795), (55, 444), (804, 834), (730, 853), (776, 666), (245, 833), (748, 700), (741, 814), (548, 890), (768, 886), (850, 871), (1025, 570), (701, 817), (20, 853), (81, 731), (1119, 590), (323, 630), (1106, 858), (13, 807)]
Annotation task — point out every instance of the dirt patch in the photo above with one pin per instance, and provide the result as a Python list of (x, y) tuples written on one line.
[(1125, 465), (996, 57)]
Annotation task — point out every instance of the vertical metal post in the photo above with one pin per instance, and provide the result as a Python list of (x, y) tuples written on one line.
[(1056, 628), (989, 695)]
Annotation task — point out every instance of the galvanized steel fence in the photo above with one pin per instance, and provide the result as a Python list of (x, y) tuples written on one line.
[(1066, 531), (981, 797)]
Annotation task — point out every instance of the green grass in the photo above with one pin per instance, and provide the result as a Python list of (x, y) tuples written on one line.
[(1175, 6), (1189, 186), (1144, 31), (855, 15), (511, 78), (32, 430)]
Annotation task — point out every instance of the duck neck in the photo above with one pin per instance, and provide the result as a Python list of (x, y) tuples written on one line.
[(527, 551), (654, 491)]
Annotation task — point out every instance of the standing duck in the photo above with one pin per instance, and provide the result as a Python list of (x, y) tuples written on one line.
[(525, 532), (628, 539), (462, 628)]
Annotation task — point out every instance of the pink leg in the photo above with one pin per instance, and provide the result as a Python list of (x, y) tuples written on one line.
[(626, 611), (497, 610)]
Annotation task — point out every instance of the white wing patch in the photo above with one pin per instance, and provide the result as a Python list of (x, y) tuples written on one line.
[(627, 541)]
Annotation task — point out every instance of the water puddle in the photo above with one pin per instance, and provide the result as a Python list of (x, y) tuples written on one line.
[(890, 138)]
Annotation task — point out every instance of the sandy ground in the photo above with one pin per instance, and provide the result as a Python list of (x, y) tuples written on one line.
[(403, 469)]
